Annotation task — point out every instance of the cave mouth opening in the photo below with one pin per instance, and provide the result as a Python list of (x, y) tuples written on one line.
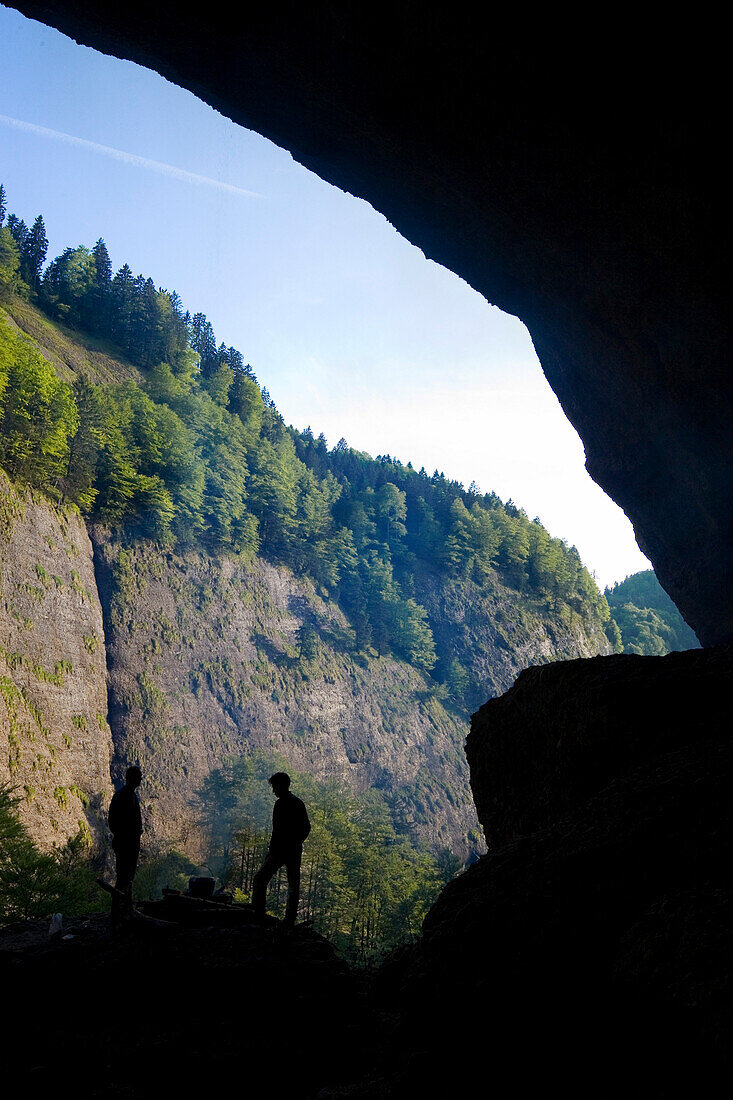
[(351, 330)]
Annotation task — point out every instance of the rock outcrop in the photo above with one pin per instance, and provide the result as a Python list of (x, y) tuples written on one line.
[(55, 744), (592, 941), (562, 734), (571, 179)]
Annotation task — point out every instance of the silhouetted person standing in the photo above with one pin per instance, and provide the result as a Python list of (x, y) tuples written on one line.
[(125, 822), (290, 827)]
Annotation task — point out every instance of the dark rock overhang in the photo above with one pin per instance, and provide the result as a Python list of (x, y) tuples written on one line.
[(569, 173)]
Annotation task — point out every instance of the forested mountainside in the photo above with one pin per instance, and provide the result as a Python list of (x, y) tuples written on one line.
[(193, 452), (647, 618), (257, 591)]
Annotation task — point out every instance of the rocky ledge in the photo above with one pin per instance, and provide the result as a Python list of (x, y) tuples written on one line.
[(159, 1009)]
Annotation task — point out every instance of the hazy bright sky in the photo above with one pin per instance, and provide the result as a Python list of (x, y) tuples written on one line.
[(348, 325)]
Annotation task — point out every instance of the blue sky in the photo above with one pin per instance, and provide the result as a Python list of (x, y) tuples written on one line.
[(348, 325)]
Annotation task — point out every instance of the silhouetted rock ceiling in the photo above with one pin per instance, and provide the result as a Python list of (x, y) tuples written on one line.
[(571, 174)]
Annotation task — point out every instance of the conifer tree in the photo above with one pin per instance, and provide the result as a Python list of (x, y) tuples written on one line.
[(33, 253), (9, 258), (18, 228), (102, 266), (235, 359), (101, 296), (123, 296), (77, 483)]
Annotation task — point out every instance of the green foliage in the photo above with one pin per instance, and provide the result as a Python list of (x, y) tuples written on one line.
[(35, 884), (171, 870), (456, 680), (307, 642), (200, 454), (364, 885), (646, 618), (9, 260), (37, 413)]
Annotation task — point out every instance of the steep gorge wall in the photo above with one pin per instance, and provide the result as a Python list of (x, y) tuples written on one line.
[(55, 744), (194, 658), (204, 663)]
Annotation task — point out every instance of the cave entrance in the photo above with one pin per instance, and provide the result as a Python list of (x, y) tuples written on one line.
[(348, 326)]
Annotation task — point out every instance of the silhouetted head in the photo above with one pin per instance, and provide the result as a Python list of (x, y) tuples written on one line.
[(280, 783), (133, 776)]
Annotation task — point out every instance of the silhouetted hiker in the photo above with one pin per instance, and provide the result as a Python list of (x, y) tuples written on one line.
[(290, 827), (125, 822)]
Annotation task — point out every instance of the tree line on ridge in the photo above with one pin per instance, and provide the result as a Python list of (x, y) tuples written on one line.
[(197, 452)]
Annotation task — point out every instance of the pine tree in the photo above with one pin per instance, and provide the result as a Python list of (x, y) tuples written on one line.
[(3, 205), (18, 229), (123, 296), (101, 296), (33, 253), (235, 359), (151, 325), (102, 266), (203, 341)]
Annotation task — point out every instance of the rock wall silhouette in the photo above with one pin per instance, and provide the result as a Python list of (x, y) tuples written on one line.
[(572, 180), (569, 178), (592, 941)]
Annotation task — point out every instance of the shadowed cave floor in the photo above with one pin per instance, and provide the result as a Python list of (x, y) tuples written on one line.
[(160, 1008), (588, 953)]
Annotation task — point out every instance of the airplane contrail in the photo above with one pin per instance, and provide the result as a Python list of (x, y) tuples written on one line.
[(127, 158)]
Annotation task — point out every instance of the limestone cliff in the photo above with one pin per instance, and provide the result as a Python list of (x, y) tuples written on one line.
[(194, 656), (496, 634), (204, 662), (55, 744), (198, 658)]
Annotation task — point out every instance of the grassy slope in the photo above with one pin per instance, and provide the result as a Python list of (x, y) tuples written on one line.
[(67, 350)]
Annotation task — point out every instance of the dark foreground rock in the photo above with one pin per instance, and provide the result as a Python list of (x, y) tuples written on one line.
[(590, 950), (588, 954), (160, 1010), (564, 732)]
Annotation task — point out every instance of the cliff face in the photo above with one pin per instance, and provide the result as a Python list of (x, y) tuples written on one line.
[(495, 635), (204, 662), (55, 744), (193, 658), (561, 735)]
